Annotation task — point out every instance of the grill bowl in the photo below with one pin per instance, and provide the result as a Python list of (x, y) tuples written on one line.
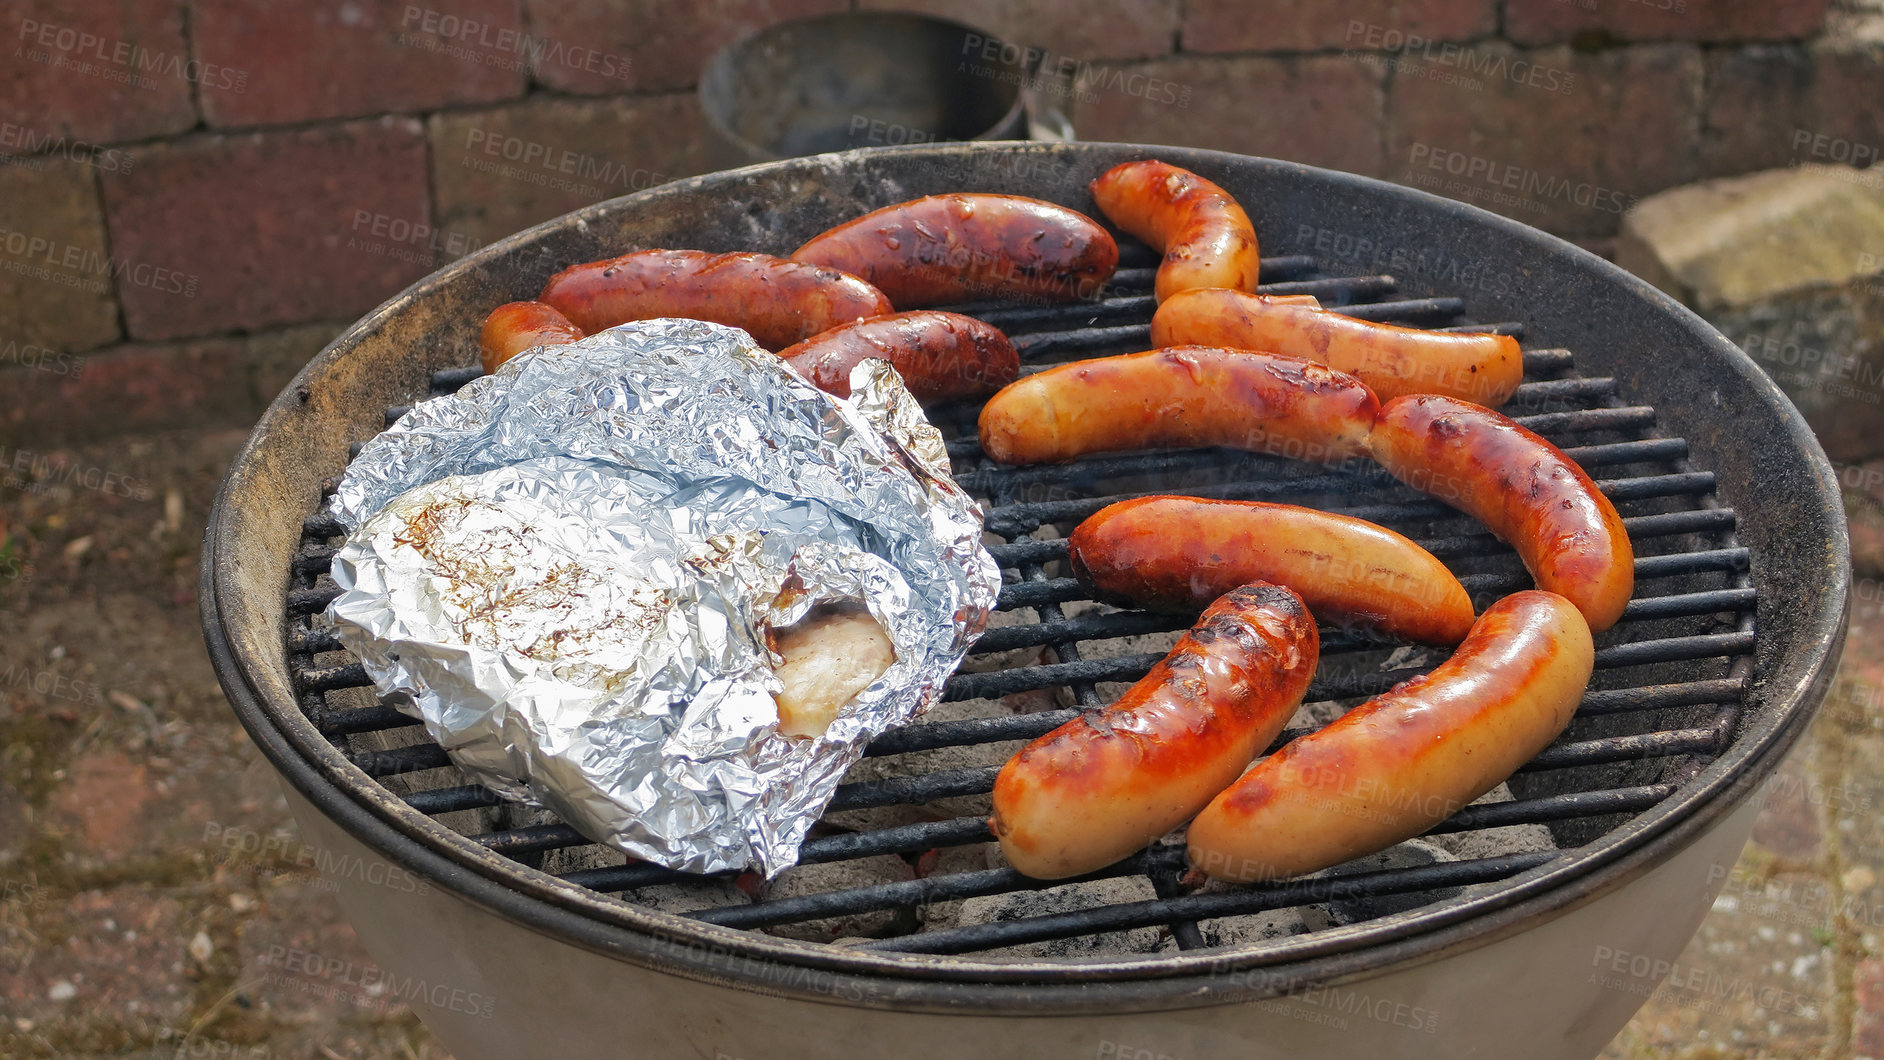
[(563, 962)]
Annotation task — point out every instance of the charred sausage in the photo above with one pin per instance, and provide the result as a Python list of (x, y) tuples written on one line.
[(518, 326), (1393, 767), (959, 248), (941, 356), (1485, 368), (1523, 489), (1205, 237), (778, 302), (1179, 553), (1185, 395), (1105, 784)]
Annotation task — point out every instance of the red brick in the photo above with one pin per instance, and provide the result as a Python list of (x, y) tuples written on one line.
[(1756, 97), (1847, 101), (602, 46), (1303, 25), (1322, 110), (1557, 21), (274, 358), (54, 269), (1627, 126), (96, 72), (1786, 104), (1097, 29), (202, 384), (499, 171), (299, 62), (260, 224)]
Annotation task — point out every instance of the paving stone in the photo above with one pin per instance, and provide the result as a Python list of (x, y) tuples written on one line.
[(1785, 263), (115, 955), (15, 823), (1867, 1028), (205, 841), (102, 803), (1757, 980), (301, 962), (1852, 722)]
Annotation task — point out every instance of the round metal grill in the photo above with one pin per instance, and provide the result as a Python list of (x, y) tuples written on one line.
[(1664, 701)]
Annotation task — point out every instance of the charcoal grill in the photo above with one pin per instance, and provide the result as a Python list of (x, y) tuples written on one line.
[(1714, 671)]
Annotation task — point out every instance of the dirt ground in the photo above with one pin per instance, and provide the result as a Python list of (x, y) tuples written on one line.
[(131, 926)]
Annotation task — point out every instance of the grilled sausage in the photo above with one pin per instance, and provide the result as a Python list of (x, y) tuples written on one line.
[(941, 356), (1186, 395), (1105, 784), (518, 326), (958, 248), (1520, 486), (1205, 237), (1392, 768), (778, 302), (1484, 368), (1179, 553)]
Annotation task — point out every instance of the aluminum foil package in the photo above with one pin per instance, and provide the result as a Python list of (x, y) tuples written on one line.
[(568, 569)]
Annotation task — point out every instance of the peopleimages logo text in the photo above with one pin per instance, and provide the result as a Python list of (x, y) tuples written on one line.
[(1520, 179), (135, 59)]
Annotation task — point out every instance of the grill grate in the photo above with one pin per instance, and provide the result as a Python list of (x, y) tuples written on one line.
[(1667, 691)]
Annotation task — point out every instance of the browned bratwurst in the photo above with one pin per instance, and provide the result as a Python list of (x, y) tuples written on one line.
[(941, 356), (518, 326), (1205, 237), (1180, 553), (1185, 395), (1522, 488), (960, 248), (1393, 767), (777, 301), (1483, 367), (1105, 784)]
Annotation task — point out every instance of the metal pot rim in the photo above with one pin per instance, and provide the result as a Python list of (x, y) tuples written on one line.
[(1015, 114)]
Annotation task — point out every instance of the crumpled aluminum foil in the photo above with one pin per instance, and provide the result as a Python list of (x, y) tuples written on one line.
[(566, 570)]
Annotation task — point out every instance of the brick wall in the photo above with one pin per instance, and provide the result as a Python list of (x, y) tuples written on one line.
[(197, 194)]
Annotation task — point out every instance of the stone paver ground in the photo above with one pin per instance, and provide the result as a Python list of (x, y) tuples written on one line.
[(132, 924)]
